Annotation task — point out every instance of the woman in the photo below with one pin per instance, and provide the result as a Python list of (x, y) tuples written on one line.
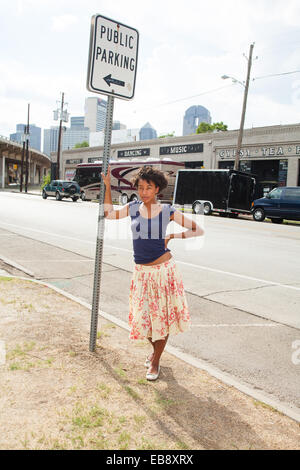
[(157, 302)]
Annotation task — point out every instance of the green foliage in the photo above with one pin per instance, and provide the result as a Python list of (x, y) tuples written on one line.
[(167, 135), (47, 180), (203, 127), (220, 126), (216, 126), (81, 145)]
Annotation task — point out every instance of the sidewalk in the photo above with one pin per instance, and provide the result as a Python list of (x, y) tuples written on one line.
[(55, 394), (35, 190)]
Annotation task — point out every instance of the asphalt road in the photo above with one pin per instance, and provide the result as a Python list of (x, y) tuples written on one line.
[(242, 281)]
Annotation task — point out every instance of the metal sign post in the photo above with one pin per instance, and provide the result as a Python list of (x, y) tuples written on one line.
[(111, 71), (101, 226)]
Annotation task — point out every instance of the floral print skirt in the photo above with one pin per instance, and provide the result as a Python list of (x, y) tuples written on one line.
[(157, 302)]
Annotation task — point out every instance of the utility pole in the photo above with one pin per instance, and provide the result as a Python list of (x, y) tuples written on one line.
[(63, 116), (240, 136), (22, 161), (27, 151)]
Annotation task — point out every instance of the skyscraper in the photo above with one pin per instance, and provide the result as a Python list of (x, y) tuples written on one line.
[(147, 132), (95, 114), (192, 118), (76, 134), (50, 140), (77, 121), (34, 135)]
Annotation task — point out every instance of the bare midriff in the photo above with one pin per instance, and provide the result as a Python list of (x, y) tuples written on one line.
[(162, 259)]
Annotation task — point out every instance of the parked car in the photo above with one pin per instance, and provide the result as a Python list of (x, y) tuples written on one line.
[(281, 203), (62, 189)]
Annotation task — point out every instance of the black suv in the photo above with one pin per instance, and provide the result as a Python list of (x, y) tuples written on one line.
[(62, 189), (281, 203)]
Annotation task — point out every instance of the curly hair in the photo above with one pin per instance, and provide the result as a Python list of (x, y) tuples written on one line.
[(148, 173)]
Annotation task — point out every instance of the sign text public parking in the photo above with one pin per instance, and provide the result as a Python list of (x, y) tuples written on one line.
[(112, 58)]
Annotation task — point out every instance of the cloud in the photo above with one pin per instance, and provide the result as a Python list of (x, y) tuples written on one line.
[(183, 52), (63, 22)]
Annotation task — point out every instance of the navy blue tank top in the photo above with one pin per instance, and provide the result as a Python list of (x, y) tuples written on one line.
[(149, 234)]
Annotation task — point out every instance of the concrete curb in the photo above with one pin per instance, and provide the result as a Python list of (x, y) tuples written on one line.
[(17, 266), (285, 408)]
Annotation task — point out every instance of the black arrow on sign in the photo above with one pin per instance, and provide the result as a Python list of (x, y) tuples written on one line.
[(114, 81)]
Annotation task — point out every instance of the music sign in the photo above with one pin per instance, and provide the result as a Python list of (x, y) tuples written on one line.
[(113, 58)]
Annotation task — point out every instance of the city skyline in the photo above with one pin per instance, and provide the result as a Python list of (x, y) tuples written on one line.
[(181, 61)]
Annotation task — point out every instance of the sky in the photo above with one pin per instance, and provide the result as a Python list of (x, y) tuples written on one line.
[(184, 49)]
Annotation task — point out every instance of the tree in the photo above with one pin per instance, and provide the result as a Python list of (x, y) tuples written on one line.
[(81, 145), (204, 127), (167, 135), (46, 180), (220, 126), (215, 127)]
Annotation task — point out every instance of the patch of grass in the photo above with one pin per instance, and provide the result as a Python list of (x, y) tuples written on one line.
[(17, 352), (16, 366), (92, 418), (8, 302), (143, 382), (109, 326), (6, 279), (20, 352), (101, 334), (120, 371), (139, 421), (264, 405), (122, 419), (57, 445), (72, 353), (124, 440), (146, 444), (78, 442), (163, 401), (132, 392), (104, 389), (99, 443), (28, 307), (182, 445)]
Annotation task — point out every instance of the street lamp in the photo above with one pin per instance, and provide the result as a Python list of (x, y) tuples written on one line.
[(234, 80)]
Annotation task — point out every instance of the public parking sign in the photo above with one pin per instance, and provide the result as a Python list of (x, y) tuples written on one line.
[(113, 58)]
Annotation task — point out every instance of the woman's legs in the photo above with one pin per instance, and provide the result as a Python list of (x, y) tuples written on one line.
[(158, 347), (150, 357)]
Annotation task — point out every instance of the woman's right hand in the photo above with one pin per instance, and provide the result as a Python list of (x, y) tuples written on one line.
[(106, 179)]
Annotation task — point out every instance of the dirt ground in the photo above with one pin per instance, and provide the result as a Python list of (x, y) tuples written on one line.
[(55, 394)]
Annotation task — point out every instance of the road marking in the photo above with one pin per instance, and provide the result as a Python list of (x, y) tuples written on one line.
[(196, 266)]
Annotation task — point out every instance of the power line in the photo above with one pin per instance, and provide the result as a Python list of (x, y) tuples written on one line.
[(276, 74)]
